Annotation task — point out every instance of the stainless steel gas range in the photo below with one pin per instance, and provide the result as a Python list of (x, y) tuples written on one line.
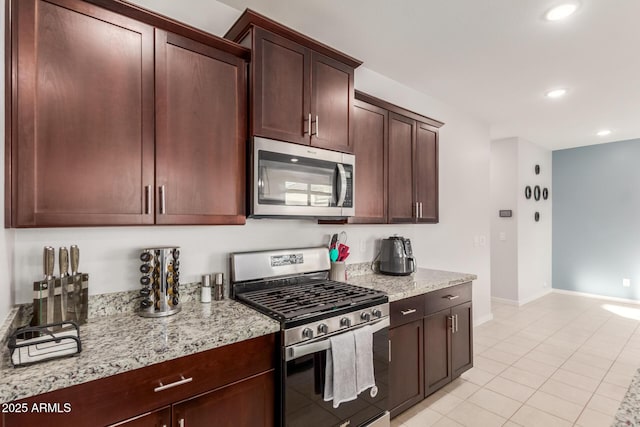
[(292, 287)]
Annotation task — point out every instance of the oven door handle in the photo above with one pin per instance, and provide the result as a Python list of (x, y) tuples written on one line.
[(304, 349)]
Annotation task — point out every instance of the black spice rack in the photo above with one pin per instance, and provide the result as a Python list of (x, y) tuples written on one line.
[(34, 344)]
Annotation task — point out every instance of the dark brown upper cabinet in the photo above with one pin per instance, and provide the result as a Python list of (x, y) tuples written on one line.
[(104, 127), (302, 90), (200, 133), (396, 164)]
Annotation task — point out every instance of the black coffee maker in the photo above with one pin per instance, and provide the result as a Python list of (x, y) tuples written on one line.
[(396, 257)]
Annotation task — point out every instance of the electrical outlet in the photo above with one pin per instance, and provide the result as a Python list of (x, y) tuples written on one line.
[(483, 241), (545, 285), (626, 283), (363, 245), (503, 236)]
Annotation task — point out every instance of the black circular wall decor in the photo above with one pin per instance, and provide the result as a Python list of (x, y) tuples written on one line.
[(545, 193), (537, 216), (537, 169), (536, 193), (527, 192)]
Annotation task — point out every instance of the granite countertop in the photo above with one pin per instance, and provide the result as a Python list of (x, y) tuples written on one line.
[(400, 287), (629, 411), (117, 343)]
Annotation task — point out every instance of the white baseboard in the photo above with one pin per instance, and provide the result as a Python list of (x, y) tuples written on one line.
[(596, 296), (484, 319), (535, 297), (505, 301), (520, 303)]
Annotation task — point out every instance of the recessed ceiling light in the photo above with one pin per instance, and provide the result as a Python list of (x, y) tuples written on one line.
[(556, 93), (561, 12), (604, 132)]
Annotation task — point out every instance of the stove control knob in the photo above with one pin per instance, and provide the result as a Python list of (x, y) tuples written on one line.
[(365, 316), (345, 322), (377, 313), (307, 333), (323, 328)]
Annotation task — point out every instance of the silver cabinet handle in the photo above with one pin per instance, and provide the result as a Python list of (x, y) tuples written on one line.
[(451, 297), (183, 380), (317, 127), (405, 312), (181, 422), (308, 132), (417, 210), (389, 351), (163, 206), (420, 209), (456, 323), (453, 328), (147, 208)]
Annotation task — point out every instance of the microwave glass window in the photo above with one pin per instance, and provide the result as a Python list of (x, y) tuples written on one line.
[(303, 182)]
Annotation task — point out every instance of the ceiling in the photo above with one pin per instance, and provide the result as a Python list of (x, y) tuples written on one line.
[(494, 59)]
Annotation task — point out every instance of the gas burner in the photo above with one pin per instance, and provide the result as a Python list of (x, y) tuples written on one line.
[(292, 302)]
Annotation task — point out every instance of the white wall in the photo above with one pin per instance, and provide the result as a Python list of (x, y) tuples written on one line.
[(504, 231), (458, 243), (521, 264), (534, 238)]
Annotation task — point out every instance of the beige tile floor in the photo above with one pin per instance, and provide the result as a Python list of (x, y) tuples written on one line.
[(561, 360)]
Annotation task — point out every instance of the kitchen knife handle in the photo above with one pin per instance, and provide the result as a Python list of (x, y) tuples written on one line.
[(147, 208), (75, 258), (163, 207), (48, 261), (63, 261)]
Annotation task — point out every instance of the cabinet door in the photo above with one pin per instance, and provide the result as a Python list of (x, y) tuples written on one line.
[(462, 339), (159, 418), (370, 145), (402, 132), (248, 403), (201, 133), (406, 369), (281, 84), (437, 350), (426, 158), (82, 128), (332, 95)]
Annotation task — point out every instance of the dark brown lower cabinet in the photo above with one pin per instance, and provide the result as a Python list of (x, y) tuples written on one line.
[(231, 385), (433, 348), (437, 345), (246, 403), (158, 418), (405, 370)]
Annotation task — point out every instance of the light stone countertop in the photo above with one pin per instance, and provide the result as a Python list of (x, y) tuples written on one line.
[(629, 411), (400, 287), (122, 342)]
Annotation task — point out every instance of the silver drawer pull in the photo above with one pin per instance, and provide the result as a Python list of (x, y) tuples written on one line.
[(405, 312), (162, 387), (451, 297)]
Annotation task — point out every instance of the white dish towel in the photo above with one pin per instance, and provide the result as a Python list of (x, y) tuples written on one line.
[(349, 367), (340, 371), (365, 377)]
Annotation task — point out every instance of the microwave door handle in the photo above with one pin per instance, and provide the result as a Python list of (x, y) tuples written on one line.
[(342, 185), (300, 350)]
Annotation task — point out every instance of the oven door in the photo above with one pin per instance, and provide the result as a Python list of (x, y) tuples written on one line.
[(300, 181), (303, 377)]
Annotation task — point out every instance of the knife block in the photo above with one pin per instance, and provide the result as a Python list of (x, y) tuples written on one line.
[(49, 300)]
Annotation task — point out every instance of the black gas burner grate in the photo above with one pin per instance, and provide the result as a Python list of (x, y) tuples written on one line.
[(315, 297)]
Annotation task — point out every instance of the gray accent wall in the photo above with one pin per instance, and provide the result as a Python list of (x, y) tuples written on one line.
[(596, 219)]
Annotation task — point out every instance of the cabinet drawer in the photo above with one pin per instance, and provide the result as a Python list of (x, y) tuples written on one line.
[(407, 310), (118, 397), (447, 297)]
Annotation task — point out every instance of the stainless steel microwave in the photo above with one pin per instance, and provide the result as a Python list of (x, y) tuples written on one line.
[(290, 180)]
